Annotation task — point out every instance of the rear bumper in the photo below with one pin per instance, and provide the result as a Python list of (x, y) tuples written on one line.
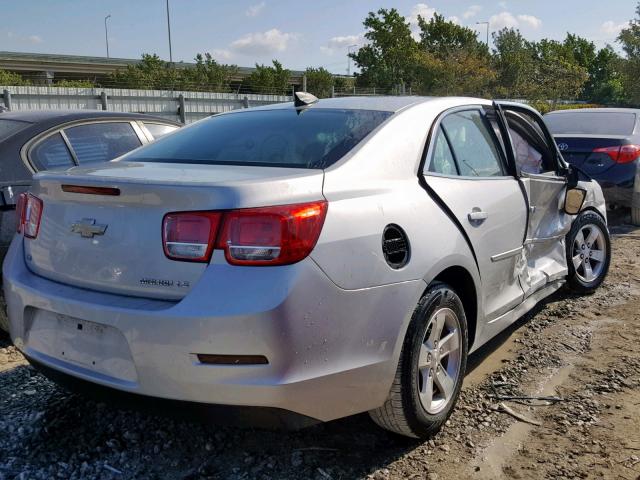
[(331, 352), (619, 183)]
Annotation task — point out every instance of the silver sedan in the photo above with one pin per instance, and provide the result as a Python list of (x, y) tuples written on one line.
[(303, 262)]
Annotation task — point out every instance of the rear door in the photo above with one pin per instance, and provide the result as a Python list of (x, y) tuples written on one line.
[(466, 171), (540, 172)]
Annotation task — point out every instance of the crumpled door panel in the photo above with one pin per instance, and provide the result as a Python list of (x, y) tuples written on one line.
[(543, 258)]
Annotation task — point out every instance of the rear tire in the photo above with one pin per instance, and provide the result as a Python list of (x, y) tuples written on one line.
[(431, 367), (588, 253)]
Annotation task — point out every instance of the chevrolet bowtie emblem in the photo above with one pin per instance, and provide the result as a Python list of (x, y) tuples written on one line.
[(87, 228)]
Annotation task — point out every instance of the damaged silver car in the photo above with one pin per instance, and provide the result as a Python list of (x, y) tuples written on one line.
[(303, 262)]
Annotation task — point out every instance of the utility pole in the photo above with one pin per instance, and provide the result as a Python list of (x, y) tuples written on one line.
[(106, 33), (487, 24), (349, 58), (169, 33)]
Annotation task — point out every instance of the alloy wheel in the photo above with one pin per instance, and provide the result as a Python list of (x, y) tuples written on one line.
[(439, 361), (589, 253)]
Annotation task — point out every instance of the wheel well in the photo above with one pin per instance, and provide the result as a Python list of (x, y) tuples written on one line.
[(461, 281)]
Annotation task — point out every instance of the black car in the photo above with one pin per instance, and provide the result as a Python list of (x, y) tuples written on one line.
[(604, 143), (36, 140)]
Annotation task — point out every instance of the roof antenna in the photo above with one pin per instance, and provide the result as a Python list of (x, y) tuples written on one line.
[(304, 99)]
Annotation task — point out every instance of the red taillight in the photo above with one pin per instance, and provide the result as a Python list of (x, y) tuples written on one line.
[(278, 235), (20, 208), (271, 235), (621, 154), (190, 235), (28, 213)]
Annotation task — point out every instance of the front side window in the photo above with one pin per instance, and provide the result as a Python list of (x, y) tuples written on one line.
[(101, 142), (50, 153), (473, 144), (312, 138)]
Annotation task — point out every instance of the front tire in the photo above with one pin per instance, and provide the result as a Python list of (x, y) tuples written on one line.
[(431, 368), (635, 216), (588, 253)]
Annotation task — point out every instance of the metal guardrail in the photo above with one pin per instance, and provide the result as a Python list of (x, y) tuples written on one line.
[(182, 106)]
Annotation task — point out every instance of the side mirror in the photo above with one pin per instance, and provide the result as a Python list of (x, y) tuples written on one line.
[(573, 200)]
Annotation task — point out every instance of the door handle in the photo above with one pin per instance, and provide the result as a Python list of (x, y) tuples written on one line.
[(478, 216)]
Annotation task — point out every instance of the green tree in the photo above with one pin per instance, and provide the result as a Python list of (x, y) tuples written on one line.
[(319, 82), (451, 60), (443, 38), (208, 74), (629, 38), (605, 84), (12, 79), (268, 79), (389, 58), (558, 76), (150, 73), (343, 84), (514, 59), (74, 83)]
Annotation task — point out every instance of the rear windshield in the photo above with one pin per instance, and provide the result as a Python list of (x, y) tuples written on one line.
[(591, 123), (9, 127), (313, 138)]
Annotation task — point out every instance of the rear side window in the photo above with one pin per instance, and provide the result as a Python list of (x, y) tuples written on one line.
[(591, 123), (158, 130), (313, 138), (442, 160), (50, 153), (9, 127), (472, 143), (101, 142)]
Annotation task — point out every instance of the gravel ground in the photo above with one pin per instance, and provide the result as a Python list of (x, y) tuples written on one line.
[(579, 352)]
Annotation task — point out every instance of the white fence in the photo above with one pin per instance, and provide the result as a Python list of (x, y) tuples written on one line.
[(182, 106)]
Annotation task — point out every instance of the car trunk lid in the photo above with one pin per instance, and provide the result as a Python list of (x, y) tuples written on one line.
[(578, 150), (113, 242)]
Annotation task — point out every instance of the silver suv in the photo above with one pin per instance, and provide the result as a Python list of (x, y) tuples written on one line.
[(304, 262)]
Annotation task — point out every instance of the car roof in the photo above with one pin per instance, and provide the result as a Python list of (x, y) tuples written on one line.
[(62, 116), (379, 103), (596, 110)]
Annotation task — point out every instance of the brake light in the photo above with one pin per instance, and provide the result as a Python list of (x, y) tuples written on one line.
[(621, 154), (271, 235), (28, 213), (278, 235), (20, 207), (190, 236)]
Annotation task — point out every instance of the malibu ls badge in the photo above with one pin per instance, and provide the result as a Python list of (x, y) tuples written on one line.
[(88, 228)]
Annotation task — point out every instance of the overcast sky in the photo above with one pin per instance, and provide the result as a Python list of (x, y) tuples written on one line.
[(299, 33)]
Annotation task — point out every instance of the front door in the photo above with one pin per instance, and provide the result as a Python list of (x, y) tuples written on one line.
[(467, 171), (540, 173)]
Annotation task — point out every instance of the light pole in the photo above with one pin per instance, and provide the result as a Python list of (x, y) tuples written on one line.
[(349, 57), (169, 32), (106, 33), (487, 24)]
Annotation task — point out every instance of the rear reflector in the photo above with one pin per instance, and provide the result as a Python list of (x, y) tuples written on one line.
[(28, 214), (232, 359), (190, 236), (111, 191), (621, 154)]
